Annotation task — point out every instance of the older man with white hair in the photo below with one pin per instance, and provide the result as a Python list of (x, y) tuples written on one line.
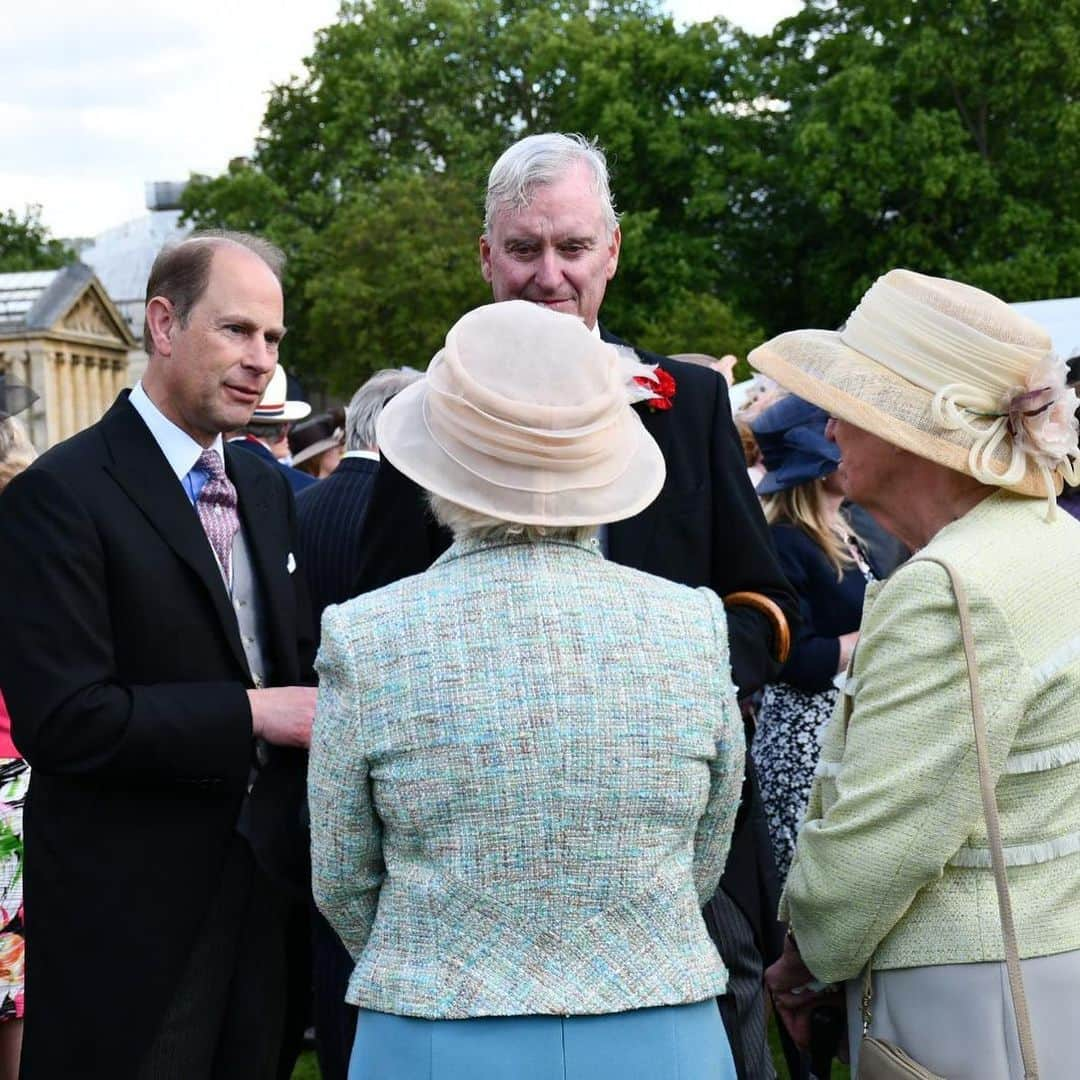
[(551, 236)]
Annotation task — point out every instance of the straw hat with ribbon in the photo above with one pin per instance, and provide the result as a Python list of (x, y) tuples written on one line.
[(274, 406), (524, 416), (946, 371)]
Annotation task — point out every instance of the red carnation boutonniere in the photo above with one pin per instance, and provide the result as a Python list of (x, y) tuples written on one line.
[(662, 384)]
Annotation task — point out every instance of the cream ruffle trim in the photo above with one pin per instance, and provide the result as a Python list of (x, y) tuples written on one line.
[(1031, 761), (1020, 854), (1053, 757)]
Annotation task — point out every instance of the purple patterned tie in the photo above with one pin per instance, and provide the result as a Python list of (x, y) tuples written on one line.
[(216, 506)]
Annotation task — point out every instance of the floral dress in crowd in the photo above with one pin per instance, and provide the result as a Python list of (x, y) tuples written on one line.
[(14, 782), (789, 721)]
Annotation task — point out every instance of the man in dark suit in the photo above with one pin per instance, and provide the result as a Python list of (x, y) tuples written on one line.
[(153, 678), (551, 236), (329, 516)]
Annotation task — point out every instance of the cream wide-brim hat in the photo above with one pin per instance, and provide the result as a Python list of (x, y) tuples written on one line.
[(523, 416), (916, 354)]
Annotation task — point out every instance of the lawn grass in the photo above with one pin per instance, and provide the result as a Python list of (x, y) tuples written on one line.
[(839, 1072), (307, 1067)]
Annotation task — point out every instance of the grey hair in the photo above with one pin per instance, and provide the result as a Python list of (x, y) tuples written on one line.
[(362, 413), (465, 523), (543, 159), (16, 450)]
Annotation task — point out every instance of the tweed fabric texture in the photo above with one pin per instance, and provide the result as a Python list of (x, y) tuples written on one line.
[(524, 773), (893, 855)]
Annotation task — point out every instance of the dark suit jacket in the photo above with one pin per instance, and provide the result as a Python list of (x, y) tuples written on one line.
[(828, 608), (329, 516), (298, 480), (705, 528), (126, 681)]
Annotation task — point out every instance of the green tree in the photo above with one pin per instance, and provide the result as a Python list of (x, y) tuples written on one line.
[(25, 243), (763, 182), (939, 135), (370, 167), (390, 275)]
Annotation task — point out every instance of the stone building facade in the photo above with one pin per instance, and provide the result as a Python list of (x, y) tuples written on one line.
[(62, 335)]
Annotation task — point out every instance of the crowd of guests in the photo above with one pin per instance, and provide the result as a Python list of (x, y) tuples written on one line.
[(611, 754)]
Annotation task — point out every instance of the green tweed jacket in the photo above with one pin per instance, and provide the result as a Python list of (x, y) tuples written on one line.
[(524, 773), (893, 858)]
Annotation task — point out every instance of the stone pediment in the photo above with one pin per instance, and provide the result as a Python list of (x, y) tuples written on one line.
[(88, 317), (93, 315)]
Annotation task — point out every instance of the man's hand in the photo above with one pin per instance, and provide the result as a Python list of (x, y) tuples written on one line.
[(282, 715), (787, 980)]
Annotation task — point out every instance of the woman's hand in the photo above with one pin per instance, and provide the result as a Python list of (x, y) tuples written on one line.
[(789, 981)]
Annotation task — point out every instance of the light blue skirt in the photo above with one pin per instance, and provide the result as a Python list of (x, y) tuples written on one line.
[(672, 1042)]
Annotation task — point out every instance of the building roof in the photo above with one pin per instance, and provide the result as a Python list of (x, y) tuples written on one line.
[(36, 299), (70, 301), (122, 256)]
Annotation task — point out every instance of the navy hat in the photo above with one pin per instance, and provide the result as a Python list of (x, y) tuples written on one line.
[(791, 437)]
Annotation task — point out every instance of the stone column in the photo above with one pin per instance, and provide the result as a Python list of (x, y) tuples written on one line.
[(95, 400), (51, 398), (35, 372), (120, 375), (82, 372), (65, 382)]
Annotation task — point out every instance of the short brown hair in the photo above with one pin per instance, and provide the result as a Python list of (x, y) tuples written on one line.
[(181, 271)]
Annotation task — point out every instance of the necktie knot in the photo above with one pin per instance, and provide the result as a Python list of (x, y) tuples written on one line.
[(210, 463)]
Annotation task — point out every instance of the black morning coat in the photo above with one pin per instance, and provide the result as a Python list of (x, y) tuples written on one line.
[(705, 528), (126, 681)]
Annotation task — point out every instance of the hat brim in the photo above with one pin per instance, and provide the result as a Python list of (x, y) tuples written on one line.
[(782, 479), (818, 366), (404, 439), (317, 448), (290, 411)]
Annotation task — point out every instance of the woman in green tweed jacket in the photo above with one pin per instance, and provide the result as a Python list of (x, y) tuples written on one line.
[(526, 761), (955, 429)]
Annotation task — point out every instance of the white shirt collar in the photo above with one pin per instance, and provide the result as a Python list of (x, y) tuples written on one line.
[(595, 331), (370, 455), (180, 449)]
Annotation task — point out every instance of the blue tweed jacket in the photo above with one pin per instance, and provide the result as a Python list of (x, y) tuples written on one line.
[(524, 773)]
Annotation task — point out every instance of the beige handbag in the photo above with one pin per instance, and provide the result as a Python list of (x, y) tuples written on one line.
[(878, 1058)]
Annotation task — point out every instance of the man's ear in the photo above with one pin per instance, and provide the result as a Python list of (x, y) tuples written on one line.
[(613, 252), (160, 319), (485, 259)]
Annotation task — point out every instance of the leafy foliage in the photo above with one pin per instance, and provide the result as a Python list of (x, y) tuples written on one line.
[(764, 183), (25, 243)]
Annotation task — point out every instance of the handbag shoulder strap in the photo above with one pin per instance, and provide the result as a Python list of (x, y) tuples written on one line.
[(993, 831)]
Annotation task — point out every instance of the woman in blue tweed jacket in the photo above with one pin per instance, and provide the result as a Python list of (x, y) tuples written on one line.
[(526, 761)]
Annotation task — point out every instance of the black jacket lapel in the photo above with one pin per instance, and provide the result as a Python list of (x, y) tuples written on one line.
[(140, 468), (628, 541)]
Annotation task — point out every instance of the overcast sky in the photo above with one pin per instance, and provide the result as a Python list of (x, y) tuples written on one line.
[(97, 97)]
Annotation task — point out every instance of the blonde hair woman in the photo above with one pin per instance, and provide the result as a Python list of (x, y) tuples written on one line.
[(939, 862), (822, 559)]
